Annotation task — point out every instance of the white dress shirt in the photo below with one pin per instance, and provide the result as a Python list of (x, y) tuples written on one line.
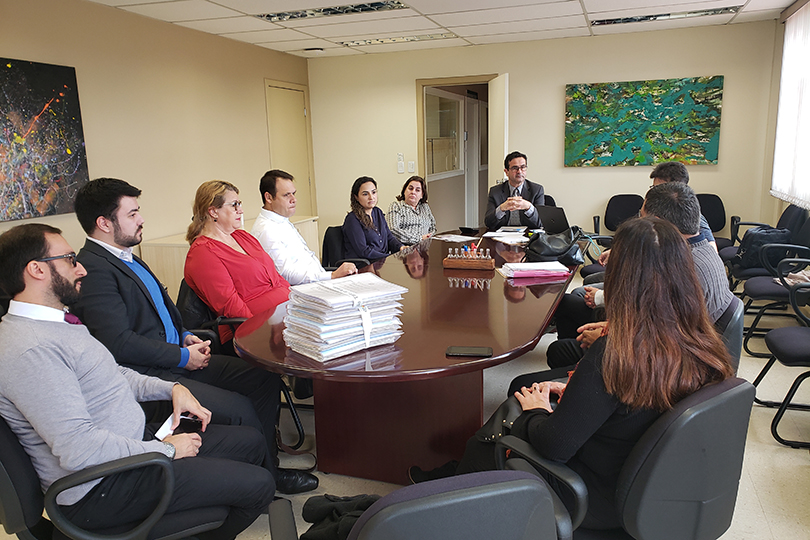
[(288, 249)]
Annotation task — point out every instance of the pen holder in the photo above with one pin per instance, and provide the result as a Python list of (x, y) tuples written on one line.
[(468, 264)]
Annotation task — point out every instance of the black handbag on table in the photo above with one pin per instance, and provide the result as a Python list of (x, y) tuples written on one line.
[(563, 247)]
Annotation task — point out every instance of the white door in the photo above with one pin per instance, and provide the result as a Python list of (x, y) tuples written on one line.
[(289, 143)]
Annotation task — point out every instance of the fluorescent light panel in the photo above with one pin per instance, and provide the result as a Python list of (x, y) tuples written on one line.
[(667, 16), (385, 5), (401, 39)]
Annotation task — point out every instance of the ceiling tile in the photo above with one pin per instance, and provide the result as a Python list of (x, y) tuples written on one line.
[(451, 6), (759, 5), (232, 24), (256, 7), (662, 10), (530, 36), (489, 16), (266, 36), (764, 15), (341, 51), (184, 10), (393, 26), (118, 3), (661, 25), (519, 26), (595, 6), (300, 44)]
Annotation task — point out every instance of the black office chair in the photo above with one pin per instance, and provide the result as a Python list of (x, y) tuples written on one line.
[(712, 208), (791, 347), (548, 200), (333, 252), (681, 478), (775, 294), (204, 323), (792, 218), (737, 274), (22, 501), (619, 209), (732, 331), (479, 506)]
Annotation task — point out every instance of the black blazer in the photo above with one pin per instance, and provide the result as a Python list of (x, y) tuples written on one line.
[(498, 194), (119, 312)]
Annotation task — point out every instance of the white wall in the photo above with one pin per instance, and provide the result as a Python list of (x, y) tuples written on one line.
[(164, 107), (364, 112)]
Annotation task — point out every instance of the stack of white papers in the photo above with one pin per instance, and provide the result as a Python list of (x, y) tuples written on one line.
[(328, 319), (534, 269)]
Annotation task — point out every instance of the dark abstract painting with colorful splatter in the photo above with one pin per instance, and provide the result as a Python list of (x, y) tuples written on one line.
[(643, 122), (42, 155)]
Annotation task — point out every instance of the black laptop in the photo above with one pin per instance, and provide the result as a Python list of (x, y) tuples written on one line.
[(552, 219)]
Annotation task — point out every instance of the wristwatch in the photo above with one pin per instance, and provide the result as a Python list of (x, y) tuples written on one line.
[(170, 449)]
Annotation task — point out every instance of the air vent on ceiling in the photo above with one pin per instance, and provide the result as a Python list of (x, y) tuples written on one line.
[(385, 5), (667, 16)]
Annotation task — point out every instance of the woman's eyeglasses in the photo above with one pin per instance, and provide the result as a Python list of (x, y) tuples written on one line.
[(234, 204)]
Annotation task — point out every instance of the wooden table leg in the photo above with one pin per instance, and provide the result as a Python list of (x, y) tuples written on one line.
[(377, 430)]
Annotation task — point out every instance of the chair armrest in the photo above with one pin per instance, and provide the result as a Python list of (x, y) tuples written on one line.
[(565, 477), (565, 530), (799, 296), (736, 224), (788, 249), (789, 266), (105, 469), (282, 520)]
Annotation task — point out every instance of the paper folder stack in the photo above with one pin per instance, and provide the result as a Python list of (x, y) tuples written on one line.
[(328, 319)]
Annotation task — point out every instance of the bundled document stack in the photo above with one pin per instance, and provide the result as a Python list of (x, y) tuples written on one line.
[(541, 272), (328, 319)]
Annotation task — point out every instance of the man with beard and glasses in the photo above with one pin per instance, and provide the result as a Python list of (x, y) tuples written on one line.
[(72, 407), (127, 309)]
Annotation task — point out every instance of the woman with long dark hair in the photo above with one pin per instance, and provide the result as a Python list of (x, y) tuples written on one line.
[(365, 232), (660, 347)]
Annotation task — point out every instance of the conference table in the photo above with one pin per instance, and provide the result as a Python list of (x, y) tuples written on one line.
[(379, 411)]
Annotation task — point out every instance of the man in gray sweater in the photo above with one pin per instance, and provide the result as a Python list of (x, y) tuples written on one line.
[(72, 406)]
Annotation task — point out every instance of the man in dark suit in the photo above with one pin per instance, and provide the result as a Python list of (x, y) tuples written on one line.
[(126, 308), (514, 202)]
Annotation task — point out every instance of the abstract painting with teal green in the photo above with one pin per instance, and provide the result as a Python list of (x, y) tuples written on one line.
[(643, 122)]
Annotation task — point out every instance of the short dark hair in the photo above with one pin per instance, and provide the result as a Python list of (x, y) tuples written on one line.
[(19, 246), (671, 171), (674, 202), (101, 197), (414, 178), (268, 182), (513, 155)]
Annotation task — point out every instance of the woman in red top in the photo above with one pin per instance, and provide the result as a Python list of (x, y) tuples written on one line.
[(226, 266)]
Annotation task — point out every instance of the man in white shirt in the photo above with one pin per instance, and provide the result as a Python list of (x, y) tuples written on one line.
[(281, 240)]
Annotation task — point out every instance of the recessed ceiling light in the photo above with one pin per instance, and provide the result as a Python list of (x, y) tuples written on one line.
[(385, 5), (401, 39), (667, 16)]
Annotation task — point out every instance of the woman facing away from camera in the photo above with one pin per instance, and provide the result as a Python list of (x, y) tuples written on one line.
[(661, 347)]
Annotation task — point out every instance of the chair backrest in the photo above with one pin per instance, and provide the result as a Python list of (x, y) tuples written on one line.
[(21, 501), (793, 218), (548, 200), (332, 246), (621, 208), (681, 479), (485, 505), (801, 236), (732, 331), (711, 206), (193, 310)]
